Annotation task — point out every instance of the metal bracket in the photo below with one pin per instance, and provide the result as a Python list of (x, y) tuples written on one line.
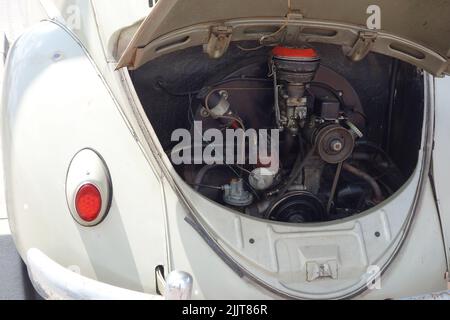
[(292, 33), (363, 46), (219, 41)]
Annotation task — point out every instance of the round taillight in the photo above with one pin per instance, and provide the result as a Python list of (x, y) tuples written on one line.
[(88, 202)]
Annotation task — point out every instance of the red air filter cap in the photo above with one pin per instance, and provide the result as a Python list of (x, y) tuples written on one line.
[(294, 53)]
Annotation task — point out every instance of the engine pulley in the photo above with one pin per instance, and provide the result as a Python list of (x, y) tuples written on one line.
[(334, 143), (297, 207)]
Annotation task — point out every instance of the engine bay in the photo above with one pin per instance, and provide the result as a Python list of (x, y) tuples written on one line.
[(348, 135)]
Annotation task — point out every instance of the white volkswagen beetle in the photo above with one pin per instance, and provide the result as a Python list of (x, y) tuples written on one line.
[(105, 201)]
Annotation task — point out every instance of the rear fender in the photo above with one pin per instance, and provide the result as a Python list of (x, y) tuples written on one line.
[(54, 104)]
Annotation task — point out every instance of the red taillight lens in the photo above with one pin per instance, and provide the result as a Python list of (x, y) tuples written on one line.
[(88, 202)]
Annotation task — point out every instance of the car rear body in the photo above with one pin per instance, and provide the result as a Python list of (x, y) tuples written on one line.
[(69, 89)]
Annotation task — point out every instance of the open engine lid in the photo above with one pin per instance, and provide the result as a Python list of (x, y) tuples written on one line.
[(411, 29)]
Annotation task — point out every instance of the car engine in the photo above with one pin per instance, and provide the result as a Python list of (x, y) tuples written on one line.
[(324, 159), (327, 167)]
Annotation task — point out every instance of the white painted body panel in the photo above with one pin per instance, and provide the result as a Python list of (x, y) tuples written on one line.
[(441, 156), (53, 109), (97, 23)]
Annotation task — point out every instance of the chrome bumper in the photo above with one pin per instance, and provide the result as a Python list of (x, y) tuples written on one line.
[(54, 282)]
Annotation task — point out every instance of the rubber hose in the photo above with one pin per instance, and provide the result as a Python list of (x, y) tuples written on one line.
[(378, 194)]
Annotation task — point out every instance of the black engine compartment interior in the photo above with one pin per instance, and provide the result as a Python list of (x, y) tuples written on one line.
[(387, 98)]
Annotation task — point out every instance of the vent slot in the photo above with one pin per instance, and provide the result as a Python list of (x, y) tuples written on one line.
[(319, 32), (407, 51), (260, 31)]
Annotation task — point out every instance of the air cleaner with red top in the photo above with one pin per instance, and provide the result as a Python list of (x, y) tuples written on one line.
[(294, 53), (295, 65)]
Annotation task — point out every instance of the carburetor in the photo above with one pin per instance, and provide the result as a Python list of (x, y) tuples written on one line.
[(319, 119), (293, 69)]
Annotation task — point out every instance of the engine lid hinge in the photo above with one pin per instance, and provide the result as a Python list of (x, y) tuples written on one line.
[(362, 46), (219, 41)]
